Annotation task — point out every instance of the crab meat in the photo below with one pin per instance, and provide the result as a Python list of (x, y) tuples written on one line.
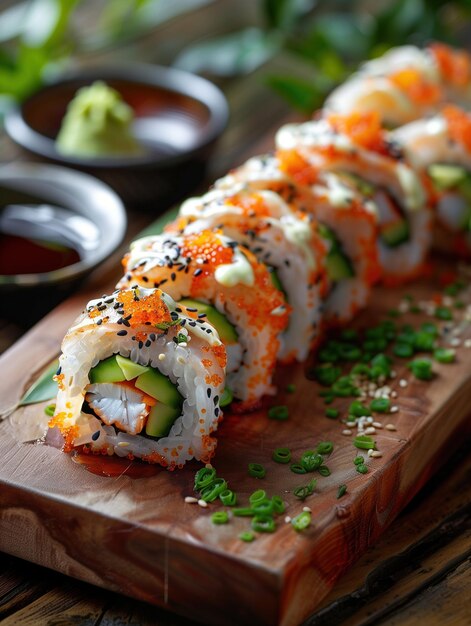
[(118, 405)]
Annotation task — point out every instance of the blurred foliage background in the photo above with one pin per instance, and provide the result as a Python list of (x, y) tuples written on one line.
[(328, 37)]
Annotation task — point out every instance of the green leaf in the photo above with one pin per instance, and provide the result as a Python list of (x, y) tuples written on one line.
[(306, 96), (44, 388), (238, 53)]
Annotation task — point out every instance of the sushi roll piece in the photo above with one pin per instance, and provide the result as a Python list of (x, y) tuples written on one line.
[(454, 66), (139, 378), (356, 148), (440, 148), (340, 216), (226, 285), (285, 241)]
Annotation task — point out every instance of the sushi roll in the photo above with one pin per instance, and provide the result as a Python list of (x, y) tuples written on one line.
[(225, 284), (339, 215), (454, 66), (286, 242), (440, 148), (357, 149), (138, 377)]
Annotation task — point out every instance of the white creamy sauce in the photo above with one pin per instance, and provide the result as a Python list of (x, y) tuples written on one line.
[(317, 134), (239, 271), (299, 234)]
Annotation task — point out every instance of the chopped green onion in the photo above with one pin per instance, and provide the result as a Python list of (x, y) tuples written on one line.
[(212, 491), (358, 409), (364, 442), (324, 470), (360, 369), (302, 521), (443, 313), (263, 524), (258, 496), (380, 405), (358, 460), (256, 470), (325, 447), (263, 507), (326, 375), (311, 460), (421, 368), (243, 512), (247, 536), (281, 455), (424, 341), (220, 517), (362, 469), (278, 412), (50, 410), (430, 328), (278, 504), (444, 355), (403, 350), (228, 497), (341, 491), (297, 468), (459, 304), (332, 413), (204, 477), (304, 491)]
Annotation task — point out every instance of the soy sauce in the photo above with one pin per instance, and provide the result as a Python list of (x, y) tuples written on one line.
[(26, 256)]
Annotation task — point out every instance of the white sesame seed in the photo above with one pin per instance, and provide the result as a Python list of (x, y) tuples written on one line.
[(369, 420), (370, 451), (377, 425), (307, 509), (390, 427), (191, 500), (123, 444), (370, 431), (208, 466), (393, 374), (455, 342), (346, 431), (203, 503), (376, 454), (162, 356), (467, 343), (394, 409), (403, 383), (287, 519), (393, 394)]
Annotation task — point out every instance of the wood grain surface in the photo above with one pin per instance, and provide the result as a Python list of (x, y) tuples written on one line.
[(138, 537)]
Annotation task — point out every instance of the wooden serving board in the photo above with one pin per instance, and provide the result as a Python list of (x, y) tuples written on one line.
[(137, 536)]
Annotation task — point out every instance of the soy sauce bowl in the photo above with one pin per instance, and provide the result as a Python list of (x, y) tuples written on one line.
[(60, 207), (178, 118)]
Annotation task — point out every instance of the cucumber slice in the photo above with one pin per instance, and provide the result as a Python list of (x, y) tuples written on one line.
[(161, 419), (158, 386), (338, 265), (395, 233), (446, 176), (107, 371), (226, 331), (129, 368), (226, 398), (360, 184)]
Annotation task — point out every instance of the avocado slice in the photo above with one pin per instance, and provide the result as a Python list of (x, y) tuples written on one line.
[(360, 184), (338, 265), (226, 331), (106, 371), (161, 419), (158, 386), (130, 369), (447, 176), (395, 233)]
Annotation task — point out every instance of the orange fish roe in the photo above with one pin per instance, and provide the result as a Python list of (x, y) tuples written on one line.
[(208, 248), (252, 205), (59, 378), (68, 432), (459, 125), (419, 90), (213, 380), (364, 129), (297, 167), (206, 362), (220, 355), (454, 65), (150, 308)]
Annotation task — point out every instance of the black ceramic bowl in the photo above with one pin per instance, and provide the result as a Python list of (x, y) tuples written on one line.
[(66, 210), (178, 117)]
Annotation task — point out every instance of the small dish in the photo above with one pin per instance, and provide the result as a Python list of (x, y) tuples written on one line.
[(178, 117), (62, 210)]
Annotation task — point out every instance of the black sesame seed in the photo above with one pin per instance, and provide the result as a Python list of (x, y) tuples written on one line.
[(99, 322), (59, 371), (96, 435), (209, 392), (122, 333), (197, 272)]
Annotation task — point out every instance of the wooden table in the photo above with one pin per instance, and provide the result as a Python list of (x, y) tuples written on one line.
[(419, 571)]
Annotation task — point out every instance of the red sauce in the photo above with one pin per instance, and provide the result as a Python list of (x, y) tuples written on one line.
[(114, 466), (25, 256)]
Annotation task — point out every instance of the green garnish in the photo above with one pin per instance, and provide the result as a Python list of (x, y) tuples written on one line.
[(167, 325), (181, 338), (256, 470), (325, 447), (444, 355), (324, 470), (263, 524), (281, 455), (403, 350), (245, 511), (326, 375), (443, 313), (50, 409), (278, 412), (226, 397), (212, 491), (290, 388), (220, 517), (341, 491), (364, 442), (358, 409), (362, 469), (204, 477), (297, 468), (304, 491), (228, 497), (257, 496), (358, 460), (332, 413), (424, 341), (278, 504), (311, 460), (301, 521), (247, 536), (421, 368), (380, 405)]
